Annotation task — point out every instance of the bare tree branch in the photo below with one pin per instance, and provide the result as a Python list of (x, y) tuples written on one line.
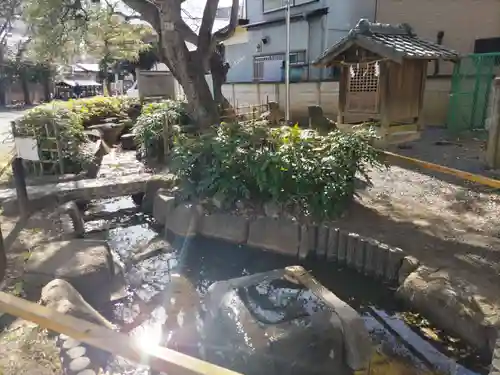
[(188, 34), (127, 17), (228, 31), (147, 10), (207, 24)]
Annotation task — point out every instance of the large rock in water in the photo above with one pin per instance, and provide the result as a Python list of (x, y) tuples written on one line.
[(453, 304), (85, 264), (266, 324)]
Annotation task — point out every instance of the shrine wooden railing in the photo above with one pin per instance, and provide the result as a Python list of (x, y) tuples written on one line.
[(158, 358)]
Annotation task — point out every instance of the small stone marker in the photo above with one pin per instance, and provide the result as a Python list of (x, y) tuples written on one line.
[(381, 256), (322, 245), (304, 248), (312, 232), (352, 244), (76, 217), (333, 244), (394, 260), (369, 266), (360, 254), (342, 247)]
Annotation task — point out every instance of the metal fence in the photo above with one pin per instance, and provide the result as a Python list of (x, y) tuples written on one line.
[(470, 91)]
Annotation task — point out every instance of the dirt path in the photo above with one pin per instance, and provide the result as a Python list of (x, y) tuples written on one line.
[(444, 224), (26, 349)]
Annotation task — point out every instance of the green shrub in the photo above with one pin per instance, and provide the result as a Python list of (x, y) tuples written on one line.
[(73, 117), (307, 173), (97, 109), (148, 129), (39, 122)]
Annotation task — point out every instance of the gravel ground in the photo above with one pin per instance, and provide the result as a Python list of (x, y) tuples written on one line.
[(445, 224)]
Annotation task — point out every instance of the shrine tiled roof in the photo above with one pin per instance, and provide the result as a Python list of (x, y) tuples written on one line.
[(391, 41)]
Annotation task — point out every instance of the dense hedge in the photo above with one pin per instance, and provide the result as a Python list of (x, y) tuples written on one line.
[(39, 120), (97, 109), (148, 129), (305, 172)]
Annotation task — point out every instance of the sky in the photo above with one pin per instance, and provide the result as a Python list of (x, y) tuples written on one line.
[(193, 11)]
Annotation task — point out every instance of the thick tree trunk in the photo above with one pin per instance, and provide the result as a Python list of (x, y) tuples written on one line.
[(46, 89), (3, 90), (219, 69), (26, 90), (189, 72), (3, 83)]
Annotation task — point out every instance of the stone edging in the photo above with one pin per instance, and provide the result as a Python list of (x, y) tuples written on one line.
[(286, 237), (367, 256)]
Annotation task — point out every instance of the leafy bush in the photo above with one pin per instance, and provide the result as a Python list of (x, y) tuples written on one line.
[(305, 172), (97, 109), (38, 123), (148, 129), (73, 117)]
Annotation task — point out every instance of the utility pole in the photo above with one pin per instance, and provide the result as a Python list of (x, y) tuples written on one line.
[(287, 61)]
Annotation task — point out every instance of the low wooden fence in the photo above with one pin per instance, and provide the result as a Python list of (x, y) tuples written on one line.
[(50, 149), (245, 112)]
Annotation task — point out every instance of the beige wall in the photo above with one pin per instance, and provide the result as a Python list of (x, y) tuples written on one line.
[(326, 95), (463, 21)]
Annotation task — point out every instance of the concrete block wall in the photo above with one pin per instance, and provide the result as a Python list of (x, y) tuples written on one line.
[(284, 236), (326, 94)]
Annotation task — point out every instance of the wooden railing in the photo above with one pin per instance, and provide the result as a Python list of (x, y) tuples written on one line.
[(158, 358)]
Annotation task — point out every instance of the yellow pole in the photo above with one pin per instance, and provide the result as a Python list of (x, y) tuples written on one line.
[(451, 171)]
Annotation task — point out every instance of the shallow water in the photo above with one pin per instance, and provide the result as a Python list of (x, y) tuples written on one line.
[(404, 348)]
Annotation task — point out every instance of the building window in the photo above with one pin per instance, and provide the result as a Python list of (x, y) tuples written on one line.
[(269, 67), (271, 5)]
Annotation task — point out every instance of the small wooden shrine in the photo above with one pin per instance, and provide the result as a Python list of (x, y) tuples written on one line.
[(383, 75)]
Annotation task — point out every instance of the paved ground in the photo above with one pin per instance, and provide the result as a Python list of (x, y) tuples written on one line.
[(6, 116), (437, 145)]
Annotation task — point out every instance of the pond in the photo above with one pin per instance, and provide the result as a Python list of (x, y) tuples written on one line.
[(406, 342)]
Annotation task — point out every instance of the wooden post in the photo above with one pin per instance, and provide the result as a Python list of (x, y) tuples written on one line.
[(166, 138), (20, 184), (234, 95), (57, 134), (492, 156), (420, 117), (258, 94), (3, 257), (343, 88), (385, 116)]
